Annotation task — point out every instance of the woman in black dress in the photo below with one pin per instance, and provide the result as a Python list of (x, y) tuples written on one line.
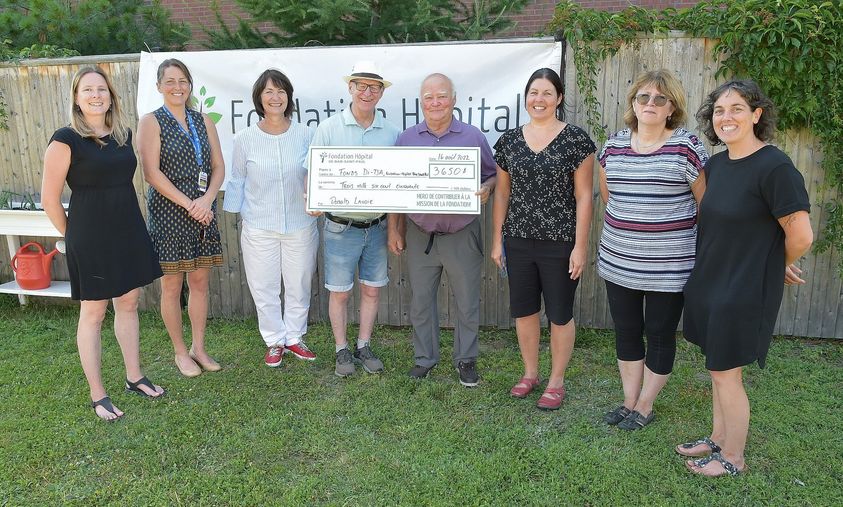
[(753, 226), (109, 253), (541, 216), (182, 162)]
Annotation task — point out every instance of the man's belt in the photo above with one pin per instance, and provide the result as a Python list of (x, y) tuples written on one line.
[(355, 223)]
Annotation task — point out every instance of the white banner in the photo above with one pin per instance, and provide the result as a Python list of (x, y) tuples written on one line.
[(489, 78)]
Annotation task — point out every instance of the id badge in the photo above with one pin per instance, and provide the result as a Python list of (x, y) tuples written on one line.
[(203, 181)]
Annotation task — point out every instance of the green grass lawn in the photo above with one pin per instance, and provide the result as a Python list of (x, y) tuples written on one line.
[(297, 435)]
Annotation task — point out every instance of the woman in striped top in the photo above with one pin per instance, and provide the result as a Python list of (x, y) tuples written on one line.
[(267, 188), (651, 182)]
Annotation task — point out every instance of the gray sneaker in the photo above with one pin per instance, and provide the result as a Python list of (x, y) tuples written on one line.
[(345, 364), (367, 358)]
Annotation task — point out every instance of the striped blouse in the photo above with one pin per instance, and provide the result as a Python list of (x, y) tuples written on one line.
[(650, 224), (268, 179)]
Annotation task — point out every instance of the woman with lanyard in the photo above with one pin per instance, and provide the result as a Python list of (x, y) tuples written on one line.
[(182, 162)]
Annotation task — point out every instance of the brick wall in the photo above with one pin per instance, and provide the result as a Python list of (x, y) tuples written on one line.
[(537, 14), (531, 20)]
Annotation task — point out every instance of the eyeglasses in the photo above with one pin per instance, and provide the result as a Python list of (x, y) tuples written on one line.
[(644, 99), (362, 87)]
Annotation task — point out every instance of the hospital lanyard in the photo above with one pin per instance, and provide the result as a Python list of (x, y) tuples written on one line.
[(192, 135)]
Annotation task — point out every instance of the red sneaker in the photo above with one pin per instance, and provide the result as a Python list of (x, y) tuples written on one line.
[(301, 351), (273, 356)]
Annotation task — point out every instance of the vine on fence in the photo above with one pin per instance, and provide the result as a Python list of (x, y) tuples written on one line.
[(792, 48)]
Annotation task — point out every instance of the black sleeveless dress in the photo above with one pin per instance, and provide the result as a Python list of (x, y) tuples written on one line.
[(109, 251)]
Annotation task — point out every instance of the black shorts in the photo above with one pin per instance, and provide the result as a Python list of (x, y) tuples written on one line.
[(540, 267)]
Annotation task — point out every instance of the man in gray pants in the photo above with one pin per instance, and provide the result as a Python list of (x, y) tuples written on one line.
[(437, 242)]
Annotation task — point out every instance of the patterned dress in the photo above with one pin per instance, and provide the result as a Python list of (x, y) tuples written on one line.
[(182, 243)]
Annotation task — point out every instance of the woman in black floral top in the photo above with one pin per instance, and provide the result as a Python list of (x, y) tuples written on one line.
[(542, 214)]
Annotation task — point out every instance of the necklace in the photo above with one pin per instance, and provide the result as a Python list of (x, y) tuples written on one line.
[(639, 146)]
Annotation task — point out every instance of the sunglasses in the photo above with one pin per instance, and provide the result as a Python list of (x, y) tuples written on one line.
[(644, 99)]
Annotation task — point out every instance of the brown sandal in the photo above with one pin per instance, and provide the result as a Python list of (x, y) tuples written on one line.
[(190, 370), (210, 366)]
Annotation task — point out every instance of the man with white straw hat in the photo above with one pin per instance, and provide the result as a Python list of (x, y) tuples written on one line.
[(356, 240)]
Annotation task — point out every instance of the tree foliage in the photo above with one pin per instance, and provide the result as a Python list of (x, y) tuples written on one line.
[(340, 22), (792, 48), (12, 54), (91, 27)]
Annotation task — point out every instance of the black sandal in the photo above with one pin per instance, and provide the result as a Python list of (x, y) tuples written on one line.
[(617, 415), (636, 420), (730, 467), (106, 404), (690, 445), (132, 387)]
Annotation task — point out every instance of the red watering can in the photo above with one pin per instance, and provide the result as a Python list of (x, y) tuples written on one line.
[(32, 269)]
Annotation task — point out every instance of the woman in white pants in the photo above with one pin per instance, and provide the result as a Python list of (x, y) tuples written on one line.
[(267, 188)]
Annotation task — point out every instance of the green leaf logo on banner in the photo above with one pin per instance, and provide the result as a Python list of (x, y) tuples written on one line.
[(208, 103)]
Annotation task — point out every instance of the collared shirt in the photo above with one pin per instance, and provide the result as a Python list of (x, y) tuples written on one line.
[(459, 135), (343, 130), (267, 182)]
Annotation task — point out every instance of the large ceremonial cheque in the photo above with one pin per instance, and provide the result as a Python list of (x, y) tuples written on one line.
[(487, 97), (394, 179)]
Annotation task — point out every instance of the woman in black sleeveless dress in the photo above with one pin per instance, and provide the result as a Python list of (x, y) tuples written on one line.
[(109, 254)]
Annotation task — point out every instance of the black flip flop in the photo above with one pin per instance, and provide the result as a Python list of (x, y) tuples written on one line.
[(132, 387), (106, 404), (690, 445)]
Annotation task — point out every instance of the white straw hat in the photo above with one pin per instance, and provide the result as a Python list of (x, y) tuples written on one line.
[(366, 69)]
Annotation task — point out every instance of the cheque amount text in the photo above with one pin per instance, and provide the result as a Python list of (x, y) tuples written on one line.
[(451, 171)]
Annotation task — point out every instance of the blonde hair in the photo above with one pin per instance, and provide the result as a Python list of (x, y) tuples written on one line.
[(114, 118), (667, 84)]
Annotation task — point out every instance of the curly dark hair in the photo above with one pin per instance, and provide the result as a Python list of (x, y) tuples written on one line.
[(764, 130)]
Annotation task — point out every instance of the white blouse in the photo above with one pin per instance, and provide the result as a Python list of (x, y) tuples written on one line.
[(268, 175)]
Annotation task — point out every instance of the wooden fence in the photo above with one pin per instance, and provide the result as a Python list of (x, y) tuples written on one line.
[(38, 94)]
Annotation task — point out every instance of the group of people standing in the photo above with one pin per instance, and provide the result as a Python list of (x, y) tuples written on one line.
[(717, 236)]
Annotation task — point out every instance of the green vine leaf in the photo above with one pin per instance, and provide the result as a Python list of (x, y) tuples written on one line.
[(792, 48)]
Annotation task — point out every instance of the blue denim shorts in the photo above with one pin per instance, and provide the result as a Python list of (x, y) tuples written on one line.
[(347, 249)]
